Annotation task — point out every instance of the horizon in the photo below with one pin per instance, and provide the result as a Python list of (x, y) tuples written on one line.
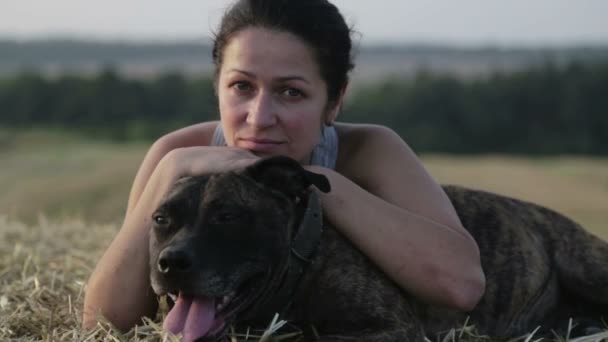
[(469, 23), (448, 45)]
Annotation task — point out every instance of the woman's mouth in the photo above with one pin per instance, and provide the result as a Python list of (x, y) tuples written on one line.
[(260, 145)]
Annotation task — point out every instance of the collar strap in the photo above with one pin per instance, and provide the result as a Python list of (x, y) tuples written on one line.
[(303, 247), (308, 236)]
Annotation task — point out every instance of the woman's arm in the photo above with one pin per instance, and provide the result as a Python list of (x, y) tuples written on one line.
[(384, 201), (119, 287)]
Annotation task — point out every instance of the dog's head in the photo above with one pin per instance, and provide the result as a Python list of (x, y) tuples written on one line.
[(218, 241)]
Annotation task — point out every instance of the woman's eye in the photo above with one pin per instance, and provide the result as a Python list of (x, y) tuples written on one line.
[(292, 93), (242, 86)]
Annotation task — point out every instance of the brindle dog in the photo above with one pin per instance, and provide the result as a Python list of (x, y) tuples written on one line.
[(223, 247)]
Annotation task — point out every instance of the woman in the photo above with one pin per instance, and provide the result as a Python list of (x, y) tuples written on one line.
[(281, 73)]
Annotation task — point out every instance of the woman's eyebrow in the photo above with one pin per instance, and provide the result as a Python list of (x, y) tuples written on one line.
[(246, 73), (292, 78), (280, 79)]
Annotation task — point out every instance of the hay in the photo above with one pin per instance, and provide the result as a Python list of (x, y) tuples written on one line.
[(43, 273)]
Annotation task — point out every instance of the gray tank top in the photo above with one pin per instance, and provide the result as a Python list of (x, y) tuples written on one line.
[(324, 154)]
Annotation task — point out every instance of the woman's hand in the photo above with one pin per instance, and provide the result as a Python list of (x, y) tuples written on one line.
[(200, 160)]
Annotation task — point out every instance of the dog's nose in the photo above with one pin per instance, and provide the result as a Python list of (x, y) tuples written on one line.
[(174, 260)]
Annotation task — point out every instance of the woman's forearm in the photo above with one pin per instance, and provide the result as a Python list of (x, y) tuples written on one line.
[(433, 262), (119, 288)]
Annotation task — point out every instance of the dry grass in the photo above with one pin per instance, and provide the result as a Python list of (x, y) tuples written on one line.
[(43, 270)]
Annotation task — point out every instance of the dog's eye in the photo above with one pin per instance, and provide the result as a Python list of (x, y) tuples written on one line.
[(227, 217), (161, 220)]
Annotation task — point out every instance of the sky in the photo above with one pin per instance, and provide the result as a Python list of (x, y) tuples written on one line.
[(459, 22)]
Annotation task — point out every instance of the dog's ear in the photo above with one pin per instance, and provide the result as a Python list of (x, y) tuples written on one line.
[(286, 175)]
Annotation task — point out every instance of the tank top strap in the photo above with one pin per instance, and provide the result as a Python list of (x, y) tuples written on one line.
[(218, 136), (325, 152)]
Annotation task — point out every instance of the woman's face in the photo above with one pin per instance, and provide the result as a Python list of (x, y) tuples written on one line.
[(272, 98)]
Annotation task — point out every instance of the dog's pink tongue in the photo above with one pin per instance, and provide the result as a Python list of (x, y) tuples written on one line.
[(176, 318), (193, 316)]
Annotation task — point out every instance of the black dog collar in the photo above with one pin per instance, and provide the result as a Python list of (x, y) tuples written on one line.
[(303, 248), (308, 237)]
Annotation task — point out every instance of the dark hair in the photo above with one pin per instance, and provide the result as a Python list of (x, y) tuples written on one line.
[(317, 22)]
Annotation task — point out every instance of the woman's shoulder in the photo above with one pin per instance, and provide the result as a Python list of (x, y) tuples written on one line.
[(364, 146), (347, 128), (200, 134), (358, 139)]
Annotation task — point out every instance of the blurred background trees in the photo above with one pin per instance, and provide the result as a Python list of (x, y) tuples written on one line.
[(548, 108)]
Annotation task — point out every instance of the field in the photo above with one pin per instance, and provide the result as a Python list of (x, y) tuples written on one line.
[(63, 198), (63, 176)]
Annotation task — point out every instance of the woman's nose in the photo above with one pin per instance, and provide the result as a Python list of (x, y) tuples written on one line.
[(262, 112)]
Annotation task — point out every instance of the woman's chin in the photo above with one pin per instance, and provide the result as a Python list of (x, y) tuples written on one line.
[(263, 149), (272, 150)]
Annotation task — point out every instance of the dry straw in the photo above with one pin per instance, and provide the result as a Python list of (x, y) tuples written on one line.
[(43, 273)]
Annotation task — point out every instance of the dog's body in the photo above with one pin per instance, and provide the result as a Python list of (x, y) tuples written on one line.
[(236, 230)]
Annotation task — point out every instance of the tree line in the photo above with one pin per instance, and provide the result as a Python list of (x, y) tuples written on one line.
[(547, 109)]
